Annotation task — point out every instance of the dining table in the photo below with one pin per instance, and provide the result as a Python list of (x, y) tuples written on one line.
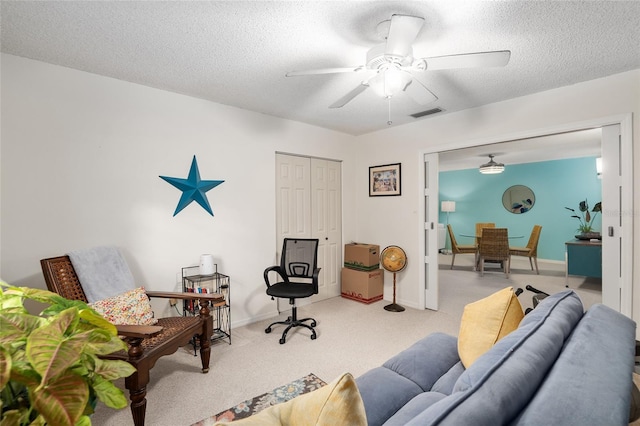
[(478, 237)]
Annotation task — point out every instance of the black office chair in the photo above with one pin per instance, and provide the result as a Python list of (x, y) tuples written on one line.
[(298, 265)]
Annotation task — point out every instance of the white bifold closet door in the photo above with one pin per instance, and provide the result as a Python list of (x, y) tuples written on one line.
[(309, 205)]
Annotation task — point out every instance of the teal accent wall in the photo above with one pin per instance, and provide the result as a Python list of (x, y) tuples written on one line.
[(556, 184)]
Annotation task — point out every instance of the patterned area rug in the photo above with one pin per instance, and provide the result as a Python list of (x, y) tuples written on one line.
[(280, 394)]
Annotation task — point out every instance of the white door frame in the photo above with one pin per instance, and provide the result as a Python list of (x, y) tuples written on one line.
[(626, 162), (613, 233), (428, 272)]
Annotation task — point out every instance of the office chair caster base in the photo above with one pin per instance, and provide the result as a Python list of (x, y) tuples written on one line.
[(291, 323), (283, 339)]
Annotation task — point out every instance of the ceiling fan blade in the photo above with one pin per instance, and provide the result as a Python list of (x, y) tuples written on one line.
[(419, 92), (349, 96), (498, 58), (324, 71), (402, 32)]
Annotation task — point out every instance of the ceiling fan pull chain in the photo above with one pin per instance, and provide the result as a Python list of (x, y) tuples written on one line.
[(389, 122)]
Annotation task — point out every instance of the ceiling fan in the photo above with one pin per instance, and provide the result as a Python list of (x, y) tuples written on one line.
[(391, 67)]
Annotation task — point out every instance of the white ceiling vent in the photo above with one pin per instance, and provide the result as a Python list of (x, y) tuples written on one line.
[(427, 112)]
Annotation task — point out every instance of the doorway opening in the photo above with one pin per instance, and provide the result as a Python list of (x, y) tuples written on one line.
[(623, 284)]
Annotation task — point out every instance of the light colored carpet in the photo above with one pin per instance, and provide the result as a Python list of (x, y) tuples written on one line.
[(352, 337)]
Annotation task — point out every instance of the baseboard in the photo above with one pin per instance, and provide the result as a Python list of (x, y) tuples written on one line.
[(556, 262), (251, 320)]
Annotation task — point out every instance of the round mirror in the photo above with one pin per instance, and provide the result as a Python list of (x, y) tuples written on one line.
[(518, 199)]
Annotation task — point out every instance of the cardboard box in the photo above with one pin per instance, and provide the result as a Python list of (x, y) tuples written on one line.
[(363, 286), (365, 257)]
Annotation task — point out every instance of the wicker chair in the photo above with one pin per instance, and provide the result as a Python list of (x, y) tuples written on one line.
[(460, 249), (146, 343), (479, 227), (494, 246), (531, 250)]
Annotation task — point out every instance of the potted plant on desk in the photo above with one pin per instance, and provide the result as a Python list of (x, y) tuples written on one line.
[(586, 220), (50, 370)]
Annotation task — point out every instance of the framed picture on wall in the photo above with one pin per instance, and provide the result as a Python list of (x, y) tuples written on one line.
[(384, 180)]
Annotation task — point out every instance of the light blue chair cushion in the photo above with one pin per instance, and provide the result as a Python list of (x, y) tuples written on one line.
[(500, 383)]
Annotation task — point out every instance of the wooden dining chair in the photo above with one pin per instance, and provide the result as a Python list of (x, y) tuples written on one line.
[(147, 343), (460, 249), (479, 227), (494, 246), (531, 250)]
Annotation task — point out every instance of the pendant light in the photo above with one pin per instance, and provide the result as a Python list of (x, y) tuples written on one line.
[(491, 168)]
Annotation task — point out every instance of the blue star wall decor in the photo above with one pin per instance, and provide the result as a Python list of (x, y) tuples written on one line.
[(193, 188)]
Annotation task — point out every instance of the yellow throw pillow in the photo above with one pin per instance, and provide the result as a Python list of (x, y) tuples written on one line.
[(338, 403), (485, 322)]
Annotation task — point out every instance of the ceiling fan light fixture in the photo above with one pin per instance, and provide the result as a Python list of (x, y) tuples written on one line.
[(389, 81), (394, 64), (491, 168)]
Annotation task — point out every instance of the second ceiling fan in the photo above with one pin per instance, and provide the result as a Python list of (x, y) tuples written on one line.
[(391, 67)]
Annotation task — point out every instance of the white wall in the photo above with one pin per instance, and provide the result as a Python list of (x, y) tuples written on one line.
[(614, 95), (81, 156)]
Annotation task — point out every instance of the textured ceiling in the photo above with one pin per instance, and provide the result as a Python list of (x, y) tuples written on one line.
[(584, 143), (237, 52)]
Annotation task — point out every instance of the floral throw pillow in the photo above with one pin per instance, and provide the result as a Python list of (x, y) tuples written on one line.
[(129, 308)]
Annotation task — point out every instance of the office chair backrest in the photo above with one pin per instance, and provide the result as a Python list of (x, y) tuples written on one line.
[(299, 257)]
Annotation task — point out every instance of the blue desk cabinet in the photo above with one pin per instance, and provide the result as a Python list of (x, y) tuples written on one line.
[(584, 258)]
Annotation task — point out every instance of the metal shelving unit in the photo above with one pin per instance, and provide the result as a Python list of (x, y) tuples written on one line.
[(192, 281)]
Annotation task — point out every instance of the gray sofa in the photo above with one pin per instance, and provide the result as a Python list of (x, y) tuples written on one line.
[(560, 367)]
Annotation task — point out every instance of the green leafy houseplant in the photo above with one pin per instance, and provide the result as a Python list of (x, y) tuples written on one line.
[(50, 369), (585, 217)]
